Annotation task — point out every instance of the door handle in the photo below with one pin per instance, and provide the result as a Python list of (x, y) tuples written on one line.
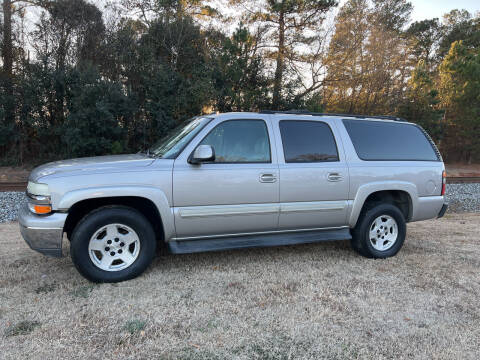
[(268, 178), (334, 176)]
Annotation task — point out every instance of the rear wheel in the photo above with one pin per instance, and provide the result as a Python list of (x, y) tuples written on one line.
[(380, 231), (112, 244)]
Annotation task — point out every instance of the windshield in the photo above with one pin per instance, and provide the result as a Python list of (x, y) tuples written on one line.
[(177, 138)]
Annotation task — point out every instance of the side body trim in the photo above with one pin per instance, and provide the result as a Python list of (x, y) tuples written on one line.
[(227, 210), (251, 209), (312, 206)]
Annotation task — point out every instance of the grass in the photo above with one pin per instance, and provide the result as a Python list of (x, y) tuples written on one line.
[(134, 326), (24, 327), (82, 291), (317, 301), (45, 288)]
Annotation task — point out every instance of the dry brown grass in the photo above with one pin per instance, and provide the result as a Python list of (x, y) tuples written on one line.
[(311, 301)]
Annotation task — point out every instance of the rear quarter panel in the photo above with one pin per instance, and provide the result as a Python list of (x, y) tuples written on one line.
[(422, 180)]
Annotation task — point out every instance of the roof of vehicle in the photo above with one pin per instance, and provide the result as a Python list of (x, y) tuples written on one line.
[(356, 116), (306, 112)]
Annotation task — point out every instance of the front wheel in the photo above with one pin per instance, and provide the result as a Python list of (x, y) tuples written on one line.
[(112, 244), (380, 231)]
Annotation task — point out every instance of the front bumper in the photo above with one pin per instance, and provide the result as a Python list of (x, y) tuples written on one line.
[(42, 233)]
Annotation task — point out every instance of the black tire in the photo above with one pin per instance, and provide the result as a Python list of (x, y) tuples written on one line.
[(360, 234), (96, 219)]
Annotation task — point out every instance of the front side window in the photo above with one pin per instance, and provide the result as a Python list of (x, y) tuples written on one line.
[(177, 138), (240, 141), (307, 141)]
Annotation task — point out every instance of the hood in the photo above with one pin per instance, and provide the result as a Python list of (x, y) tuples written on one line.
[(91, 164)]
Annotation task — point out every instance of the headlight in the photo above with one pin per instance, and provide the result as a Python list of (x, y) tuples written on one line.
[(37, 189), (38, 198)]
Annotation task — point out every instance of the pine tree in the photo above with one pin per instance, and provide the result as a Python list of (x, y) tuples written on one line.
[(460, 95), (287, 24)]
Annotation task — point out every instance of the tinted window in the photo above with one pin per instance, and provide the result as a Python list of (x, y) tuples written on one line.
[(240, 141), (307, 141), (377, 140), (176, 139)]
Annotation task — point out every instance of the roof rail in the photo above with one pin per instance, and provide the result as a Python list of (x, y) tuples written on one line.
[(306, 112)]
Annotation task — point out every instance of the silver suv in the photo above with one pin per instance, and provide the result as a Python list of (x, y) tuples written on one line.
[(238, 180)]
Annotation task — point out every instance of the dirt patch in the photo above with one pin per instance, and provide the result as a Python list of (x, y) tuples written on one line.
[(309, 302), (14, 174), (463, 170)]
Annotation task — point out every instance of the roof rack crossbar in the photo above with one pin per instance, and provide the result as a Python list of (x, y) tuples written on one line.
[(358, 116)]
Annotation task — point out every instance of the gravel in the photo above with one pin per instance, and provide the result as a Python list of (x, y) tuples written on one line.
[(11, 202), (461, 198)]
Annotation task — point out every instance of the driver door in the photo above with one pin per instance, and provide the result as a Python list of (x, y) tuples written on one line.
[(238, 192)]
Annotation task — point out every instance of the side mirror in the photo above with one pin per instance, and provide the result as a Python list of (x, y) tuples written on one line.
[(202, 154)]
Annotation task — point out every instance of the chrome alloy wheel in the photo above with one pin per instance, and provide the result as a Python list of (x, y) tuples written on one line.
[(383, 232), (114, 247)]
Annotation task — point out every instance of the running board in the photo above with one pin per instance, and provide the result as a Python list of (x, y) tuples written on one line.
[(249, 241)]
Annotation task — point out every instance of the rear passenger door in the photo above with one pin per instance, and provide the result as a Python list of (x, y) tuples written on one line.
[(314, 179)]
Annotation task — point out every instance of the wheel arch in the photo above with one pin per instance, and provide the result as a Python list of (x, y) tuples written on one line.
[(402, 194), (151, 202)]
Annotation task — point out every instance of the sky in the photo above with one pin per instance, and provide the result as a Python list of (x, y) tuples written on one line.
[(422, 9), (427, 9)]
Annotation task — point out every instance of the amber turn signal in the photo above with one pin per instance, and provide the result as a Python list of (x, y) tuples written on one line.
[(42, 209)]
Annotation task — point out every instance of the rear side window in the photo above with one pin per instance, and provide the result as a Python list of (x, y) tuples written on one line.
[(307, 141), (377, 140)]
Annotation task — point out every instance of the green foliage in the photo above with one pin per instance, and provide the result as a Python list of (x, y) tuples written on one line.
[(69, 31), (6, 130), (314, 103), (459, 25), (421, 102), (425, 35), (460, 94), (97, 109), (239, 82), (393, 15)]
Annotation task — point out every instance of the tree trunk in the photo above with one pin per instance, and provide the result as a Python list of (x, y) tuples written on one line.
[(58, 114), (7, 55), (277, 85)]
